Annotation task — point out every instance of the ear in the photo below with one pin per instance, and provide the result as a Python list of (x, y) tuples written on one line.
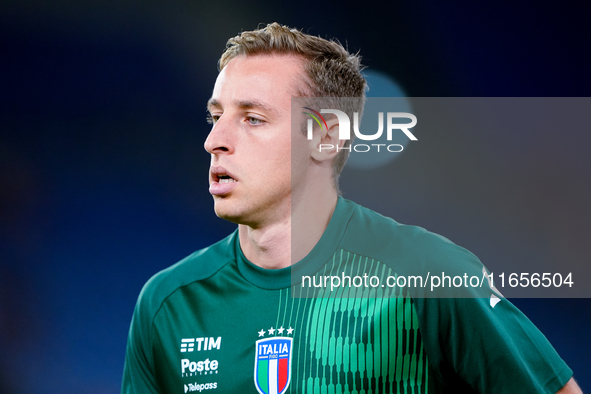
[(326, 144)]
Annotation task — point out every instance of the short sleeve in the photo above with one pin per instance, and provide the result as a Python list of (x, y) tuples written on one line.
[(138, 372), (472, 334), (490, 345)]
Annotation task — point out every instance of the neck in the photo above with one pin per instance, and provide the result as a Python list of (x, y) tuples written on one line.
[(285, 242)]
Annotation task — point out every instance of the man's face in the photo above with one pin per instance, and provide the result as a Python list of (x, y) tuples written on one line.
[(251, 139)]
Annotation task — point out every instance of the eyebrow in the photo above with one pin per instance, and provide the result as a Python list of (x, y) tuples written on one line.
[(243, 104)]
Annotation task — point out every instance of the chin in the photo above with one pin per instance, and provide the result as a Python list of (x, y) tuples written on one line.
[(223, 211)]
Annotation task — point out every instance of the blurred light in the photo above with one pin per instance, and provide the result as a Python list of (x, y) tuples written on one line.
[(380, 85)]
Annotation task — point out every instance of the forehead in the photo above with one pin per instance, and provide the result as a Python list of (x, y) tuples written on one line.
[(262, 78)]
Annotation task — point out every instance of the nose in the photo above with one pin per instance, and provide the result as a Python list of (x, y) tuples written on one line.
[(217, 141)]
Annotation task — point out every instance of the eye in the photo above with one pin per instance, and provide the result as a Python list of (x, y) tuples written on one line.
[(254, 121), (212, 119)]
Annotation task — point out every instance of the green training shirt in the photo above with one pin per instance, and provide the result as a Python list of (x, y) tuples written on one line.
[(216, 323)]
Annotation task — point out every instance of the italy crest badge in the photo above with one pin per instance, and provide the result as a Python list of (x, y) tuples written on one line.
[(272, 365)]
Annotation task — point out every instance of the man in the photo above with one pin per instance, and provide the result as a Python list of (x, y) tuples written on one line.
[(237, 317)]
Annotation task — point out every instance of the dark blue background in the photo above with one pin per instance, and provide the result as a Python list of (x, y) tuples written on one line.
[(103, 176)]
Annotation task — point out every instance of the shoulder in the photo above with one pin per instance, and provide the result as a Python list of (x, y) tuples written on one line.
[(447, 270), (383, 237), (198, 266)]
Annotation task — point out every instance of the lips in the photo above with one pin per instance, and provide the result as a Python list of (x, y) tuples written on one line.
[(221, 181)]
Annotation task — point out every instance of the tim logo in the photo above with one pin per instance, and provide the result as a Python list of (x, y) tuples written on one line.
[(187, 345), (204, 343), (272, 365), (345, 124)]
